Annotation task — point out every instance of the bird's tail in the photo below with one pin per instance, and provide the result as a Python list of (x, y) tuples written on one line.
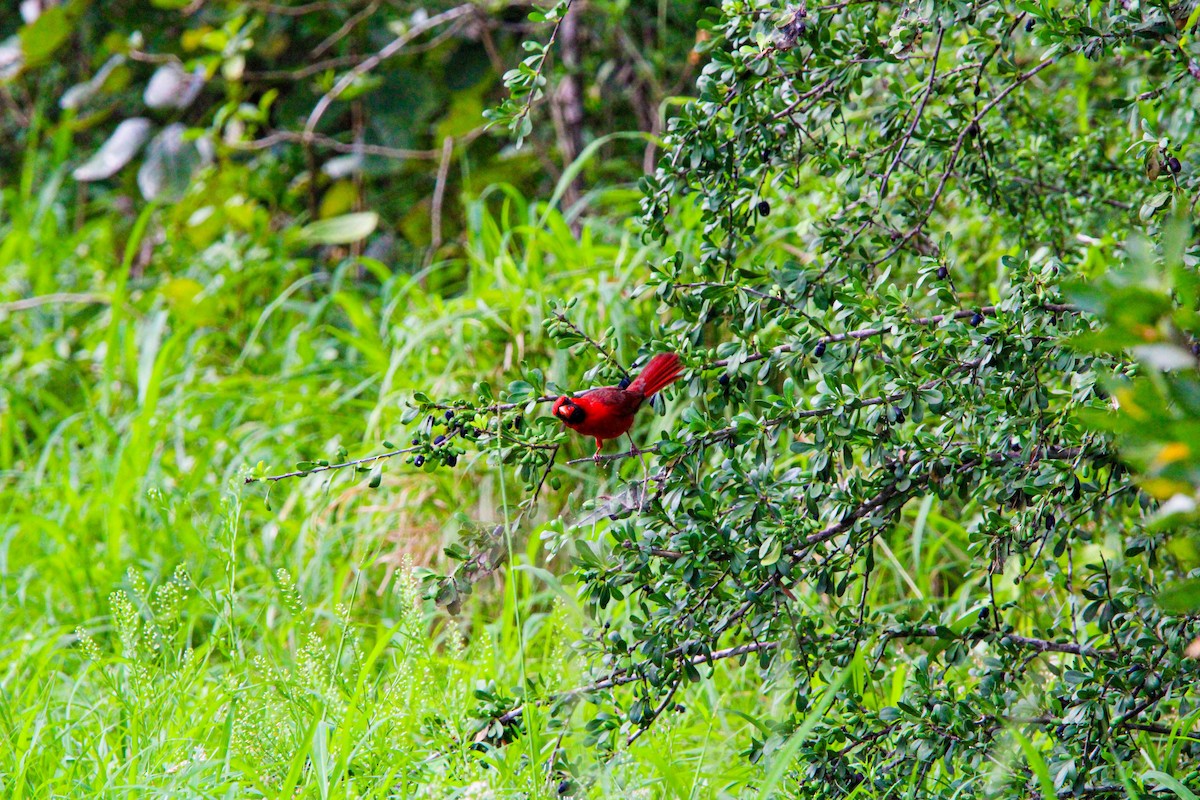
[(663, 370)]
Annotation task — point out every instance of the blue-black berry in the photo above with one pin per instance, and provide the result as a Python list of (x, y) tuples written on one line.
[(942, 272), (724, 379), (819, 350), (419, 461), (449, 415), (451, 460), (976, 319), (1174, 165), (439, 439), (624, 383), (764, 208)]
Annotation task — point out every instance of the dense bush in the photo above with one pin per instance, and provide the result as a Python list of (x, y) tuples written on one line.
[(884, 490)]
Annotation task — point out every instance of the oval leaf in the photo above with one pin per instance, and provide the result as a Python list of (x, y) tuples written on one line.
[(80, 93), (341, 230), (172, 87), (115, 153), (171, 161), (47, 33)]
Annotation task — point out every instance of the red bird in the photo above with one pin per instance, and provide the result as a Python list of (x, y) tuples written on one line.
[(607, 412)]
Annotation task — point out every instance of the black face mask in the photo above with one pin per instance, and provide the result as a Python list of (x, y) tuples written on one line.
[(569, 412)]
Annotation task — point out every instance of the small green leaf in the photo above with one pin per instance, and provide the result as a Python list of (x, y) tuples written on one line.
[(341, 230), (770, 551), (41, 38), (1153, 205)]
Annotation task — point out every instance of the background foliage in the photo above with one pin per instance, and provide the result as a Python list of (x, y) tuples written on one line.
[(918, 522)]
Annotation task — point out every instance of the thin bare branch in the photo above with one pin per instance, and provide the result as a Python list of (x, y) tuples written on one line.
[(321, 140), (439, 194), (912, 128), (60, 298), (955, 151), (623, 676), (391, 49), (344, 31)]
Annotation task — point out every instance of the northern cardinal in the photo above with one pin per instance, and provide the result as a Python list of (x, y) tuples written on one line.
[(607, 412)]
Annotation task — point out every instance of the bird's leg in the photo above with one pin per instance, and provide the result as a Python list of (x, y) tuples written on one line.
[(633, 448), (599, 446)]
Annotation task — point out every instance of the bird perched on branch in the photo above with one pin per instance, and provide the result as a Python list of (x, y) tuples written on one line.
[(608, 412)]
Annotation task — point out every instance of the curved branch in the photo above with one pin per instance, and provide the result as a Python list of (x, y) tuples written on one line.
[(624, 675), (391, 49)]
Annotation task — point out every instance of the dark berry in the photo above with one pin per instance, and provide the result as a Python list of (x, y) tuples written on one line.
[(438, 440), (819, 350), (449, 415), (1196, 349), (942, 272), (764, 208), (1174, 165), (624, 383), (419, 461), (983, 614), (973, 129), (724, 379), (976, 318), (564, 786), (988, 340), (452, 461), (1029, 25), (1049, 522), (416, 441)]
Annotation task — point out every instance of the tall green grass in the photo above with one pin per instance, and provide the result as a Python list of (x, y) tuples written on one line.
[(172, 632)]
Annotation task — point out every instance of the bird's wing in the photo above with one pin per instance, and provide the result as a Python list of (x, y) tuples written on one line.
[(616, 401)]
